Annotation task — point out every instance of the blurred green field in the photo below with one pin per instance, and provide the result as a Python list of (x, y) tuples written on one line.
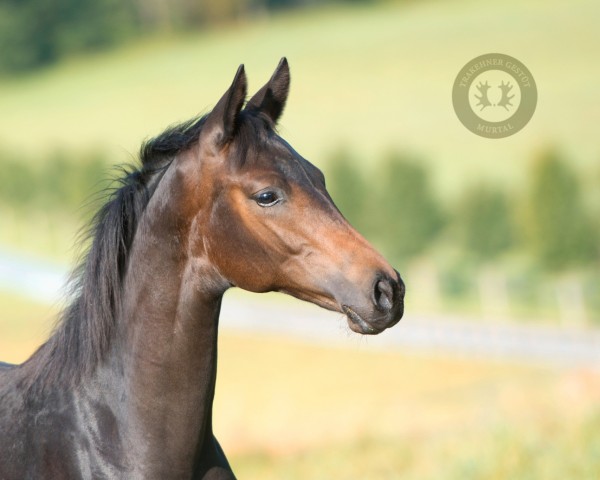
[(367, 77), (290, 410), (552, 451)]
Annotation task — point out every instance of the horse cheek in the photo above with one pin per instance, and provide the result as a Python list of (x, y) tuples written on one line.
[(231, 241)]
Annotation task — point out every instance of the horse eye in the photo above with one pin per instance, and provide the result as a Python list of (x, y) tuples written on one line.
[(267, 199)]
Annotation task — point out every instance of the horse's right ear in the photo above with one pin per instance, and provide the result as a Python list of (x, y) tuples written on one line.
[(222, 122), (271, 98)]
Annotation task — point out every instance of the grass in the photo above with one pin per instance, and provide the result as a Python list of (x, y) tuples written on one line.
[(369, 77), (289, 410), (24, 325), (549, 452)]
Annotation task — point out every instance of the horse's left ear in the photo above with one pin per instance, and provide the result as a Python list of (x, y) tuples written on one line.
[(271, 98)]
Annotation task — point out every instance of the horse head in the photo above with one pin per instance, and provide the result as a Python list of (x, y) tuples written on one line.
[(268, 222)]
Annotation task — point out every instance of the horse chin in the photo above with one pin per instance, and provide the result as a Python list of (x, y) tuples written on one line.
[(358, 324)]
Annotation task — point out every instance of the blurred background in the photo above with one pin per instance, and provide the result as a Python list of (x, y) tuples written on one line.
[(494, 371)]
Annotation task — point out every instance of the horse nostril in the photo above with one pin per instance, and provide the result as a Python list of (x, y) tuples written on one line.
[(383, 294)]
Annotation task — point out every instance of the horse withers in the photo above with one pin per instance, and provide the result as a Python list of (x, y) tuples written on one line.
[(124, 387)]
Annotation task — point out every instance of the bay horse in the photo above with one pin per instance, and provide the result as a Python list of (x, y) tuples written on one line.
[(124, 386)]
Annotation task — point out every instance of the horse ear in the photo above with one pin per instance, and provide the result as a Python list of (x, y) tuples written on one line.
[(271, 98), (222, 122)]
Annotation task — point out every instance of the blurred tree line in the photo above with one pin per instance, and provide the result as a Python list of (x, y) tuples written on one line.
[(62, 182), (548, 223), (397, 207), (35, 33)]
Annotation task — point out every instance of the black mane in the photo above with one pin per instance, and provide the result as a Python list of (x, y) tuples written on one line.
[(171, 142), (86, 326)]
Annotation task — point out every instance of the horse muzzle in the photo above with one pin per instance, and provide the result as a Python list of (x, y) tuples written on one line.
[(383, 310)]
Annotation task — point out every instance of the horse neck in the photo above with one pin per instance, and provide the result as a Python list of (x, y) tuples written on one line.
[(168, 326)]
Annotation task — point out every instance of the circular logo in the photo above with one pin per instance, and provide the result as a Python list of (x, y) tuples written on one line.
[(494, 95)]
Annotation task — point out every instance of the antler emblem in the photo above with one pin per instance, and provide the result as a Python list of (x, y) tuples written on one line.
[(484, 101), (483, 98), (506, 98)]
